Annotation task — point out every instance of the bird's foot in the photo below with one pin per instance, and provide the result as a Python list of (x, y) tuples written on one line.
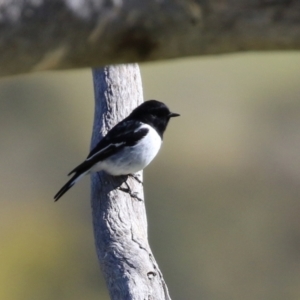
[(136, 177), (128, 191)]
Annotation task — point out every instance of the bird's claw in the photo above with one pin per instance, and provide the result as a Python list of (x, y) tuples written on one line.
[(136, 177), (131, 194)]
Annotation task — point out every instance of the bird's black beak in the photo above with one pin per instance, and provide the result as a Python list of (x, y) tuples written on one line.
[(172, 115)]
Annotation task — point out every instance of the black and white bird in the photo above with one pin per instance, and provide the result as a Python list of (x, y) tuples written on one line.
[(129, 146)]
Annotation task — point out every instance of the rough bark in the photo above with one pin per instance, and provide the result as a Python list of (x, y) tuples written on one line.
[(59, 34), (120, 223)]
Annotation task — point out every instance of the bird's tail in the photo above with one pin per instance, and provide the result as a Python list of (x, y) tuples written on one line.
[(76, 177)]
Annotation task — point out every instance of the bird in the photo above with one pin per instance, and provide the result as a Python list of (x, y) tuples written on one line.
[(129, 146)]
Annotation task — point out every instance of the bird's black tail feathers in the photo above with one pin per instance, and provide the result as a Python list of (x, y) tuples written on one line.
[(68, 185)]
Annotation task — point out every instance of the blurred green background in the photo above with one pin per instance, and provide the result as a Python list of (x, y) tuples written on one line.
[(222, 197)]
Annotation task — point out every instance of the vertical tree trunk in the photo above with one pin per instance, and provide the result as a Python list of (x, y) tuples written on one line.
[(120, 223)]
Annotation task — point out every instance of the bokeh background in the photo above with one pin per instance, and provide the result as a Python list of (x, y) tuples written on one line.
[(222, 197)]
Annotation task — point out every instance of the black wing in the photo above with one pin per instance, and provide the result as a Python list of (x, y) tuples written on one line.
[(124, 134)]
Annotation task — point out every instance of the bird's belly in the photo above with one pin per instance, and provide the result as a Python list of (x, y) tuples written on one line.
[(132, 159)]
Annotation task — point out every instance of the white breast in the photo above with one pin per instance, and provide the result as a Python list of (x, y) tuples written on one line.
[(132, 159)]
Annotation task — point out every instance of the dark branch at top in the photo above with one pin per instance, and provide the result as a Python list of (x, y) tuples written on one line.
[(45, 34)]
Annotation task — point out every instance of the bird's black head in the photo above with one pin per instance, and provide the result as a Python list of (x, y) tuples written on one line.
[(154, 113)]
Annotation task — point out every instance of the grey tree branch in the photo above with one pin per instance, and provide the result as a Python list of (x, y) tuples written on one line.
[(60, 34), (120, 223)]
